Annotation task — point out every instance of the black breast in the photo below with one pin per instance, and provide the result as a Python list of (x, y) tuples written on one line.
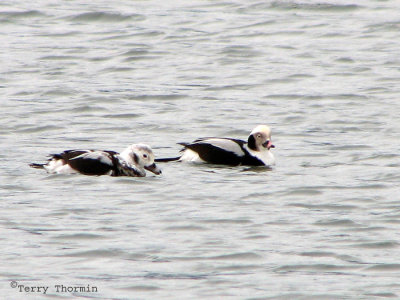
[(249, 160)]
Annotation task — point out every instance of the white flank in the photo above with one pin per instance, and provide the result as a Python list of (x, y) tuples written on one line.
[(190, 155), (56, 166)]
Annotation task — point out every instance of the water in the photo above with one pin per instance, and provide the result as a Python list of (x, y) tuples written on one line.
[(323, 224)]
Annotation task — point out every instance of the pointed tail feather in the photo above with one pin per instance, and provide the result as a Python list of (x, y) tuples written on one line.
[(167, 159), (37, 166)]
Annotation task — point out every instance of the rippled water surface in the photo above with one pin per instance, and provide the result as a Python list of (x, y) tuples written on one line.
[(322, 224)]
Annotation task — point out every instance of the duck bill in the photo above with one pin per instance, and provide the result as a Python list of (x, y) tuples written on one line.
[(268, 145), (153, 168)]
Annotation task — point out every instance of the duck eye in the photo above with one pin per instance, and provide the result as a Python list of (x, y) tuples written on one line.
[(259, 135), (144, 155)]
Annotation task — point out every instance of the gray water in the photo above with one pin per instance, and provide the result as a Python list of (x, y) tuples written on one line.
[(322, 224)]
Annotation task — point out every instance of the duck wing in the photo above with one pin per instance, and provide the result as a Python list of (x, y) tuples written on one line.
[(218, 150), (89, 162)]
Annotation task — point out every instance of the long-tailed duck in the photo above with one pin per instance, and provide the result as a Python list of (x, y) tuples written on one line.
[(131, 162), (227, 151)]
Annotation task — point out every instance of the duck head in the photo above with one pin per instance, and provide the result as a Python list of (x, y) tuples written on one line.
[(260, 138), (142, 156)]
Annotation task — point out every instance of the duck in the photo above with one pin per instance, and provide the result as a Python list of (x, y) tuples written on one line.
[(228, 151), (133, 161)]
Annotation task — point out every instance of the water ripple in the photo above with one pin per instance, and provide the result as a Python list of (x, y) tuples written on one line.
[(105, 17)]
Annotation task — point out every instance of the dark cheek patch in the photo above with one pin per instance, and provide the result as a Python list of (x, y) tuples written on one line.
[(135, 158), (251, 142)]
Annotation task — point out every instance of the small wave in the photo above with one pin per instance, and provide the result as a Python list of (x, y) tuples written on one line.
[(332, 207), (314, 6), (117, 69), (343, 222), (154, 275), (384, 267), (382, 295), (32, 129), (141, 288), (4, 15), (79, 236), (186, 228), (237, 256), (157, 97), (105, 17), (304, 192), (136, 52), (227, 221), (318, 254), (384, 27), (60, 57), (313, 267), (57, 92), (63, 34), (95, 253), (241, 51), (378, 245), (139, 57), (240, 267), (243, 87), (121, 116), (88, 108)]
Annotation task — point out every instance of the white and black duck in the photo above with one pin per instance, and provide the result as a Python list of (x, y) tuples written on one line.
[(228, 151), (131, 162)]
